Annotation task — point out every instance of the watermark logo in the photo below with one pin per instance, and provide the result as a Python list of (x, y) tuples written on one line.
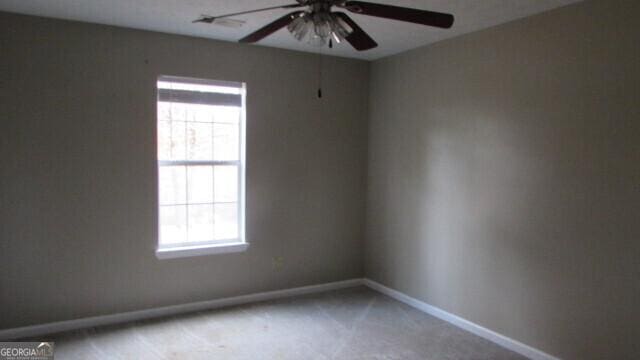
[(26, 350)]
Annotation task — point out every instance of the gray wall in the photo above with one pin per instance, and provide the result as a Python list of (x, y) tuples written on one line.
[(78, 173), (504, 178), (503, 174)]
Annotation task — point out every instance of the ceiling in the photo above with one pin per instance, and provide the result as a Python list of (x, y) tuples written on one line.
[(175, 16)]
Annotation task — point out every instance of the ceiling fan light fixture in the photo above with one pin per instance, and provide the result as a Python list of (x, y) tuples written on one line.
[(340, 27), (322, 24), (320, 28), (337, 38), (319, 25), (317, 41), (317, 28), (299, 28)]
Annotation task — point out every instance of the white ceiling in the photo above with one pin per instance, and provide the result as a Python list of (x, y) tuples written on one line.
[(175, 16)]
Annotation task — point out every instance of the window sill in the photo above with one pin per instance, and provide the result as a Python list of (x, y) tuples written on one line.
[(209, 249)]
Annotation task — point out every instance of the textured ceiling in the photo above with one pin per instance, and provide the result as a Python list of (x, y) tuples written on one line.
[(175, 16)]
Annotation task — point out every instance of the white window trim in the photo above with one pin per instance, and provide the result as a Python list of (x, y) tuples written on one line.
[(198, 250), (217, 246)]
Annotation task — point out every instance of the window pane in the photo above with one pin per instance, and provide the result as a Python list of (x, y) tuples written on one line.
[(172, 111), (199, 141), (164, 140), (173, 224), (201, 220), (226, 221), (172, 185), (226, 114), (176, 140), (225, 183), (164, 111), (200, 113), (171, 140), (200, 180), (225, 142), (198, 201)]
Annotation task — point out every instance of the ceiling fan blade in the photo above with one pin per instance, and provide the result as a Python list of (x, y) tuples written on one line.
[(359, 39), (210, 19), (271, 28), (416, 16)]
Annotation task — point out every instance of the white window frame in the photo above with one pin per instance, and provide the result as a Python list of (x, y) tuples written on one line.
[(222, 246)]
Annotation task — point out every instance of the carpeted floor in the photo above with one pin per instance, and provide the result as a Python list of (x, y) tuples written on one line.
[(356, 323)]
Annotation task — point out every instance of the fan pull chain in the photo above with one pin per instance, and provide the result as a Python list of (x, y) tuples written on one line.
[(320, 75)]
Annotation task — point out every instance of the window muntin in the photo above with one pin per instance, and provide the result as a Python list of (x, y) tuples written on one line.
[(200, 162)]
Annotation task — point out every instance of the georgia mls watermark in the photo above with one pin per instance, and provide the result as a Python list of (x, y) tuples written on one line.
[(26, 350)]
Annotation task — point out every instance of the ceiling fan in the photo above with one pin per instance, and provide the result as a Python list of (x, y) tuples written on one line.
[(320, 25)]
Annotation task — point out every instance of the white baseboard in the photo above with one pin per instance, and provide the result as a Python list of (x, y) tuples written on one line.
[(60, 326), (511, 344)]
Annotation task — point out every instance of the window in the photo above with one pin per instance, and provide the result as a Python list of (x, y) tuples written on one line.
[(200, 166)]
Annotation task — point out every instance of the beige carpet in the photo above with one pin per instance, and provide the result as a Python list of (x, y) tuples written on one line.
[(356, 323)]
